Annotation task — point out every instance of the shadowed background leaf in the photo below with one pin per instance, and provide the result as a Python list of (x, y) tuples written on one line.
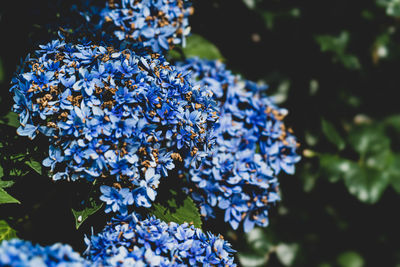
[(6, 232)]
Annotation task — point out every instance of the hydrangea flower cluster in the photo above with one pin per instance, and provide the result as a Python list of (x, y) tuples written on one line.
[(130, 241), (254, 145), (159, 24), (125, 118), (210, 73), (23, 253), (115, 114)]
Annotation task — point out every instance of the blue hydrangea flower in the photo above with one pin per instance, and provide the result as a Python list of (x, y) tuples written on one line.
[(253, 145), (159, 24), (17, 253), (113, 114), (129, 241)]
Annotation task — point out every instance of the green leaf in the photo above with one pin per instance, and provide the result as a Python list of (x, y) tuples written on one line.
[(286, 253), (334, 167), (332, 134), (337, 45), (251, 4), (350, 259), (261, 241), (81, 215), (309, 180), (253, 260), (373, 145), (177, 212), (6, 232), (174, 55), (261, 244), (393, 121), (18, 172), (5, 184), (350, 62), (393, 8), (383, 3), (36, 166), (369, 139), (5, 198), (197, 46), (367, 184), (10, 119), (393, 171), (363, 181)]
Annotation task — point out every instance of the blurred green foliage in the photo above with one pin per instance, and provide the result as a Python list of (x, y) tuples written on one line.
[(337, 45)]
